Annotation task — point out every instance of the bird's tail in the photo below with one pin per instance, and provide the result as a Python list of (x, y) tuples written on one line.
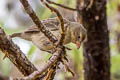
[(15, 35)]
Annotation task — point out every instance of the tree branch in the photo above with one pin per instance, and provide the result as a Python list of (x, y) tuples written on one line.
[(15, 55), (62, 6), (37, 22), (60, 49), (55, 57)]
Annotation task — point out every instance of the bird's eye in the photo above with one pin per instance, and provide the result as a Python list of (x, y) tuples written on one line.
[(78, 37)]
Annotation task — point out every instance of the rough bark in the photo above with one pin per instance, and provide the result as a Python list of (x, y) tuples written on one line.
[(96, 49), (15, 55)]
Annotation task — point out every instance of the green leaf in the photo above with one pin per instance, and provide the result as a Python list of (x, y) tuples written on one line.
[(32, 49)]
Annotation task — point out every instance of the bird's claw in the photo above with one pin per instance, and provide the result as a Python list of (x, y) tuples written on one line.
[(6, 53)]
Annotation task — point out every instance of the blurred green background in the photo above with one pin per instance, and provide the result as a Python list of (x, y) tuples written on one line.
[(14, 19)]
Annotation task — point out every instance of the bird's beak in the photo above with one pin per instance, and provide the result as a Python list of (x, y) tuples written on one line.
[(78, 44)]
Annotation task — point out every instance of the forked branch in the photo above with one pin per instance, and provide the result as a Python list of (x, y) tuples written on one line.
[(19, 58), (60, 18), (50, 62), (37, 21)]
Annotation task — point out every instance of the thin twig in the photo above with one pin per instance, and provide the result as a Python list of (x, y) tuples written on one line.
[(90, 4), (51, 72), (61, 21), (37, 22), (62, 6), (60, 18), (50, 62)]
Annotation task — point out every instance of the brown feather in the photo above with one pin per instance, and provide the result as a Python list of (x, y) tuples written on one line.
[(32, 28)]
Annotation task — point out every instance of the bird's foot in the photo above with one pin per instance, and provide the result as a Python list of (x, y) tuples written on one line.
[(6, 53), (68, 48), (49, 51)]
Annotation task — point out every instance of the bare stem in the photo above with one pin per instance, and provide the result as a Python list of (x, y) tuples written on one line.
[(62, 6), (60, 18)]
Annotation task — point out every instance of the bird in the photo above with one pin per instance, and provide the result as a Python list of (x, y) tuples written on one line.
[(74, 32)]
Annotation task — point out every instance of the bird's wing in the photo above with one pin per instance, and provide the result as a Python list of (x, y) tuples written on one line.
[(32, 28), (52, 24)]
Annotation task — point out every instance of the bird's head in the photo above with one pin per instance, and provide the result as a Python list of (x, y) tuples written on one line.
[(78, 33)]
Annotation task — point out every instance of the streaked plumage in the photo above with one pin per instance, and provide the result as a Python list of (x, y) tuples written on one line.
[(74, 31)]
